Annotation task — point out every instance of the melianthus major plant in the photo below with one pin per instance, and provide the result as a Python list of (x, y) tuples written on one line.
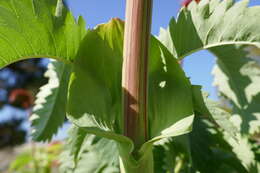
[(142, 114)]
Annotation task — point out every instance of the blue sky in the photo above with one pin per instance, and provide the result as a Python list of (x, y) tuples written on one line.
[(198, 66)]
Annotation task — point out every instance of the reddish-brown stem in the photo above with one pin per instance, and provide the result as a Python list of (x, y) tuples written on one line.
[(135, 69)]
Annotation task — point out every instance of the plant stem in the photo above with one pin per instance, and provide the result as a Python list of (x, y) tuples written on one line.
[(135, 69), (144, 165)]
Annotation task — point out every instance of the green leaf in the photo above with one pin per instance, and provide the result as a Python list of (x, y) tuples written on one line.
[(243, 150), (229, 130), (223, 28), (209, 150), (89, 154), (102, 156), (213, 23), (213, 111), (159, 156), (50, 106), (77, 137), (173, 155), (165, 38), (208, 109), (203, 150), (30, 29), (96, 78), (237, 77), (170, 95), (168, 88)]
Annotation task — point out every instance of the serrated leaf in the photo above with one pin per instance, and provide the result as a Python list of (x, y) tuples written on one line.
[(212, 111), (101, 156), (223, 27), (86, 153), (240, 146), (165, 38), (203, 150), (209, 150), (30, 29), (243, 150), (50, 106), (237, 77), (213, 23)]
